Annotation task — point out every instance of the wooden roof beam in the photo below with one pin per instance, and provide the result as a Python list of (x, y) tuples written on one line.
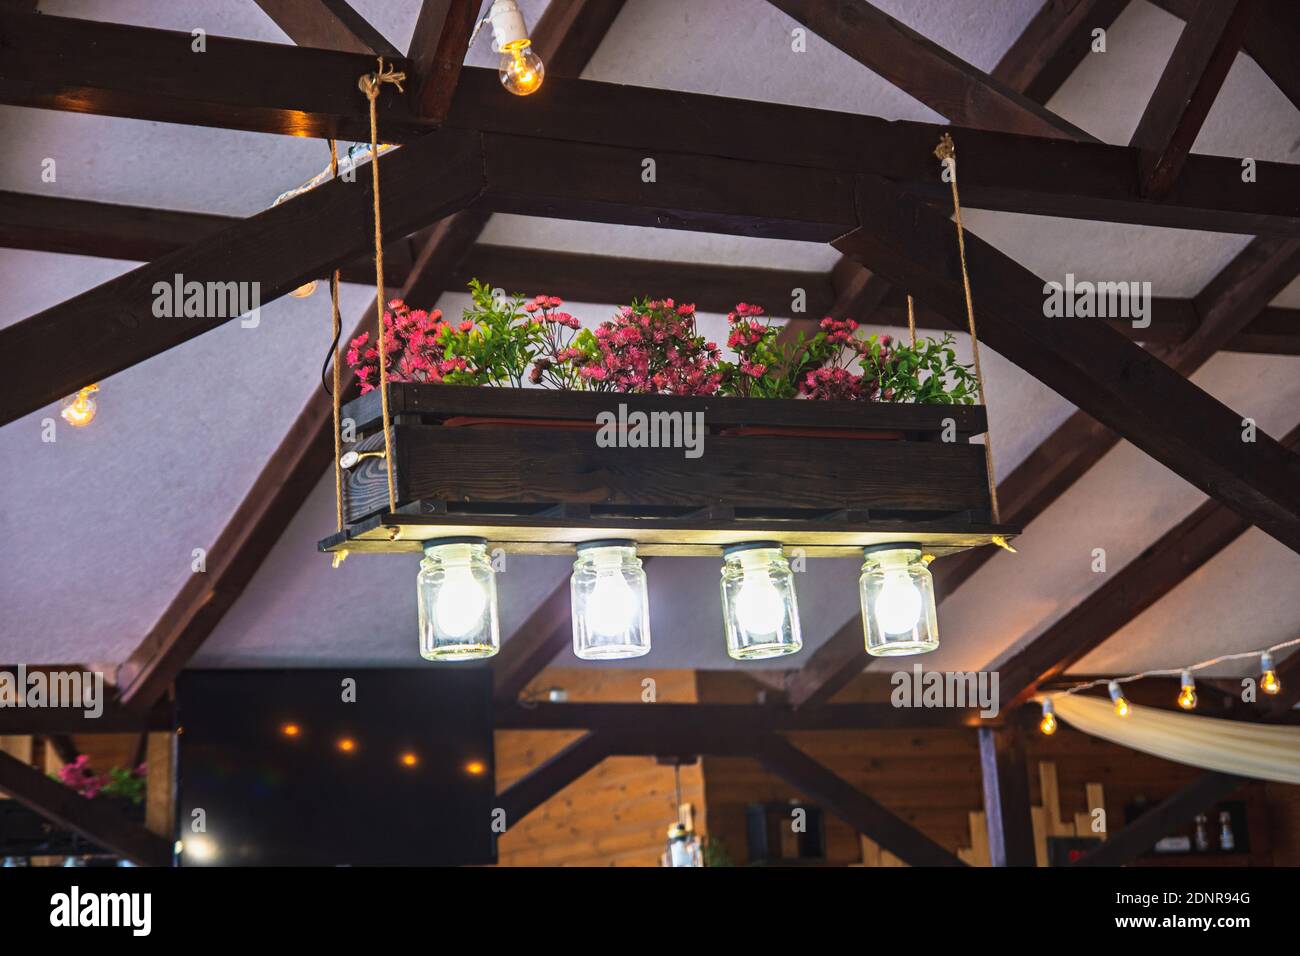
[(921, 68), (96, 820), (327, 24), (1187, 89), (437, 54)]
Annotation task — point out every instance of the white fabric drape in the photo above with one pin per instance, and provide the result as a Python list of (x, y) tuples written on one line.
[(1263, 751)]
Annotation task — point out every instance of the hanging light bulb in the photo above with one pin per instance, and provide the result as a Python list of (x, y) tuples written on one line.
[(759, 607), (304, 290), (1048, 724), (458, 601), (1268, 682), (1187, 695), (898, 607), (79, 410), (1122, 708), (611, 617), (521, 69)]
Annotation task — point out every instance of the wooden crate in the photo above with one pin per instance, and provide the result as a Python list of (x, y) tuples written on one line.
[(522, 467)]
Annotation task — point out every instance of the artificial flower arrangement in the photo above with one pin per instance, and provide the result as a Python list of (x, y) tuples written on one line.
[(119, 783), (654, 347)]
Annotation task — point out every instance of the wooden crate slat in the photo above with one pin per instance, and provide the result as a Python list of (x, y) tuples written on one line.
[(656, 537), (550, 466), (446, 401)]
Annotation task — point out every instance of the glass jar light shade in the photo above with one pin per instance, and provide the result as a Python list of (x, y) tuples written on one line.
[(458, 601), (611, 611), (897, 592), (683, 847), (758, 602)]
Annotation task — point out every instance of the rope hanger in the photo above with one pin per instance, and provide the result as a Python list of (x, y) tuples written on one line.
[(946, 151), (370, 85)]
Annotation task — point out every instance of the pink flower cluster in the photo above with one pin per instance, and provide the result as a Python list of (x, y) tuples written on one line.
[(414, 340), (653, 347), (556, 365), (836, 381), (85, 781)]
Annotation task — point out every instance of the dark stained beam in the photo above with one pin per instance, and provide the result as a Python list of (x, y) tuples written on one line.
[(543, 782), (579, 277), (1225, 309), (1187, 89), (920, 67), (1047, 51), (532, 646), (569, 33), (96, 820), (63, 746), (815, 782), (294, 469), (1053, 44), (743, 720), (327, 24), (83, 227), (1125, 594), (1272, 38), (115, 325), (1232, 305), (1130, 390), (76, 65), (1004, 773), (1141, 835), (437, 54), (108, 230)]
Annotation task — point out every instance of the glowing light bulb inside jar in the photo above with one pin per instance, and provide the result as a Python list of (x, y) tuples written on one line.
[(457, 595), (898, 606), (759, 607), (609, 602), (460, 603), (612, 607)]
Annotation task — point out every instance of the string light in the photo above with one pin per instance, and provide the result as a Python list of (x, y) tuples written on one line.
[(1187, 693), (1187, 699), (1122, 708), (1268, 681), (521, 69), (79, 410), (1048, 724)]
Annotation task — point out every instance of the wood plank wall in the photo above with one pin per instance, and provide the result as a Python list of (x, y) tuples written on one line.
[(616, 814)]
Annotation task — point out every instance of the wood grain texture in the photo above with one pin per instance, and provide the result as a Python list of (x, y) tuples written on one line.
[(1187, 89), (434, 403), (551, 466)]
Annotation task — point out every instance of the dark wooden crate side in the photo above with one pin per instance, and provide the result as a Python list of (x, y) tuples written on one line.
[(510, 464), (434, 402)]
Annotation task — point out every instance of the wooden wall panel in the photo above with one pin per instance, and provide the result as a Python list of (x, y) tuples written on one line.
[(617, 814)]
